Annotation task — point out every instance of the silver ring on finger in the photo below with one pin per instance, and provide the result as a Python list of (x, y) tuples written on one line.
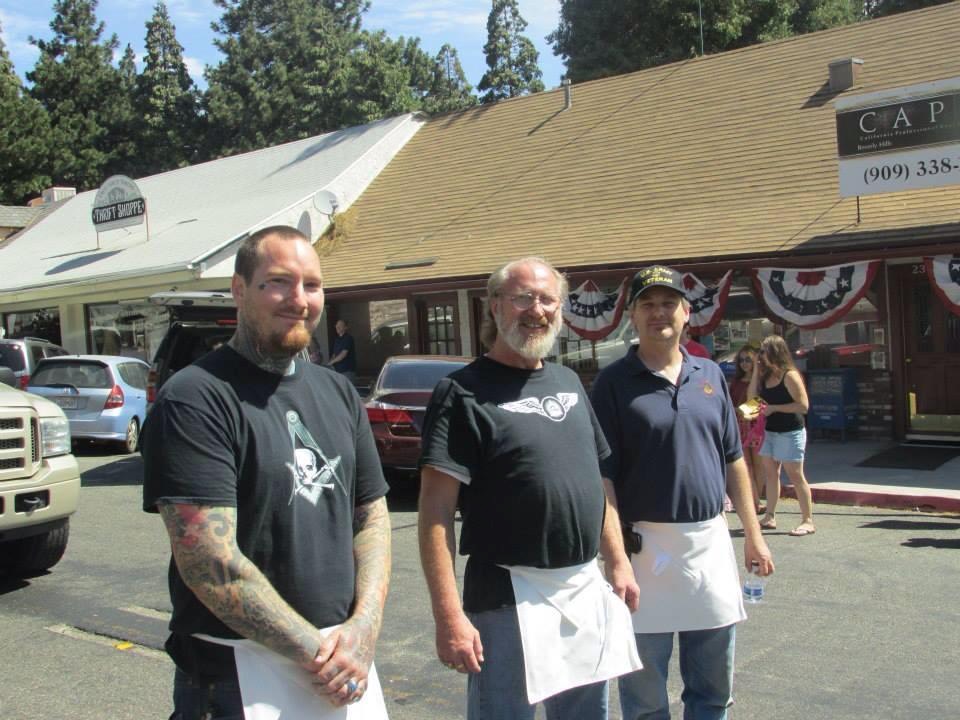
[(352, 686)]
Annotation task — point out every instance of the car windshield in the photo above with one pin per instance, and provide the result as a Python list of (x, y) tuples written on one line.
[(11, 356), (78, 374), (416, 375)]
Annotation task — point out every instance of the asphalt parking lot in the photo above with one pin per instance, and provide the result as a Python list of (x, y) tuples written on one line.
[(860, 619)]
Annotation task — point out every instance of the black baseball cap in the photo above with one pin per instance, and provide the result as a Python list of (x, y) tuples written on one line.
[(656, 276)]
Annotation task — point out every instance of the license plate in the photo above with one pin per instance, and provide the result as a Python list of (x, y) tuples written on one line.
[(66, 403)]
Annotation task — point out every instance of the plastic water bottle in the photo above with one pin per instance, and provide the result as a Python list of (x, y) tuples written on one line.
[(753, 587)]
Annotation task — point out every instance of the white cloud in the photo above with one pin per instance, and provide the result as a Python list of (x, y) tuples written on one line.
[(542, 16), (427, 17), (16, 28), (195, 68), (192, 11)]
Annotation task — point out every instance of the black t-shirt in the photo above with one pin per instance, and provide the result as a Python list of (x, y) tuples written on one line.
[(527, 447), (293, 454)]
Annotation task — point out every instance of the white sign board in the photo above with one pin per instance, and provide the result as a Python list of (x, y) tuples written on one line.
[(906, 170)]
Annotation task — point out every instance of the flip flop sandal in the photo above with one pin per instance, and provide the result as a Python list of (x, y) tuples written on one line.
[(802, 531), (768, 524)]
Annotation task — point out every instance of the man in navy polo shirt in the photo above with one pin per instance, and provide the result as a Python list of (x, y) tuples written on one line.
[(676, 448)]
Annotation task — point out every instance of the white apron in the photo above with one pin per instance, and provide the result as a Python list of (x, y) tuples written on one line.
[(687, 573), (573, 627), (274, 687)]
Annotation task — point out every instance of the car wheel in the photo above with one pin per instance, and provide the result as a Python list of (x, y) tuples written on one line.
[(132, 440), (37, 553)]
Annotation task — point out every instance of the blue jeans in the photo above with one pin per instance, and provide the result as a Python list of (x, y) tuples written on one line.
[(205, 701), (706, 666), (499, 690)]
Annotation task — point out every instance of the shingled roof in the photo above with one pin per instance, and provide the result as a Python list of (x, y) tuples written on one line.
[(15, 216), (726, 156)]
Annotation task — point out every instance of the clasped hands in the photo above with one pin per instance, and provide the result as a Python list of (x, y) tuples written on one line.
[(340, 668)]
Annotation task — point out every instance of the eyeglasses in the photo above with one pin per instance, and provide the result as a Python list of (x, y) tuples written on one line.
[(525, 301), (746, 358)]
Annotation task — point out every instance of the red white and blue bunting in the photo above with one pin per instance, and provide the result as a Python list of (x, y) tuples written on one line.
[(593, 314), (813, 298), (707, 302), (944, 274)]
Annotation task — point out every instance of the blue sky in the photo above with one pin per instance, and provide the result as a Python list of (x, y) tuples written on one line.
[(462, 23)]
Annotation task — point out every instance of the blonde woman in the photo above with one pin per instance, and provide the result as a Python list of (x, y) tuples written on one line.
[(780, 385)]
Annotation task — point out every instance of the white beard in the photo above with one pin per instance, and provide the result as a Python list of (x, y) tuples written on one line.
[(532, 347)]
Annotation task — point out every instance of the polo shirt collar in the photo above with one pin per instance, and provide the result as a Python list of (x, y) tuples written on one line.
[(636, 366)]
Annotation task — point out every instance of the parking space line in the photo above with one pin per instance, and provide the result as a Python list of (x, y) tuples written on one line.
[(115, 643)]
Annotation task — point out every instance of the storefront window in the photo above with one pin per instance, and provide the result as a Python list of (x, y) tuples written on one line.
[(128, 329), (43, 323)]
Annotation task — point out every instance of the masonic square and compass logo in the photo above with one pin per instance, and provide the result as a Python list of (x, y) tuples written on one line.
[(311, 470)]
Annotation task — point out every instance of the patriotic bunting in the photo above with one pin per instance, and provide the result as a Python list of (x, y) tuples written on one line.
[(944, 274), (707, 303), (593, 314), (813, 298)]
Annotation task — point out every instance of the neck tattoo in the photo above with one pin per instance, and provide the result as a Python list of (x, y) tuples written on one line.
[(244, 343)]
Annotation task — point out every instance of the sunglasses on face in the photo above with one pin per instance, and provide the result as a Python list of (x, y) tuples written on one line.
[(746, 358)]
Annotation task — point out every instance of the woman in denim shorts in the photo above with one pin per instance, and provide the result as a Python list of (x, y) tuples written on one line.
[(780, 385)]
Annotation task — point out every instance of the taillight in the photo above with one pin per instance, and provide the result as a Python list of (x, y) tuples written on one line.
[(24, 381), (389, 416), (152, 385), (398, 421), (114, 399)]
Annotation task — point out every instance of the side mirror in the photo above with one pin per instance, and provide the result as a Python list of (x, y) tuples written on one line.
[(7, 377)]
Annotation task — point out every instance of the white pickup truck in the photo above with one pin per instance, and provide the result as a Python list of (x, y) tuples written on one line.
[(39, 481)]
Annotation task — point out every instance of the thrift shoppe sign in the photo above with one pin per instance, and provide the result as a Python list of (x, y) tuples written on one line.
[(118, 203)]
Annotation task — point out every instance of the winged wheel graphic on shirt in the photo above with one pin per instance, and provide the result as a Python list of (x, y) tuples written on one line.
[(550, 407)]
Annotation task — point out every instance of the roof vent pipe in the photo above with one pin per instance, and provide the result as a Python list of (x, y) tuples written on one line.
[(567, 94), (844, 74)]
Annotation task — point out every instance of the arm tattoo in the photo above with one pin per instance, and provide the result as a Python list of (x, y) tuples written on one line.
[(371, 552), (204, 545)]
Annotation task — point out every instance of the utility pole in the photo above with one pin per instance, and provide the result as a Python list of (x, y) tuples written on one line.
[(700, 11)]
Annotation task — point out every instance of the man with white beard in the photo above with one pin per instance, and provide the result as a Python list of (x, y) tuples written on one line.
[(515, 442)]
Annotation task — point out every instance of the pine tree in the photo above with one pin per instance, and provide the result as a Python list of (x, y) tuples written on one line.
[(167, 99), (511, 56), (598, 38), (81, 91), (386, 77), (880, 8), (24, 138), (125, 122), (286, 71), (449, 89)]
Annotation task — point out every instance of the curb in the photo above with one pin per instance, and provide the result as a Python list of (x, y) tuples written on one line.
[(893, 498)]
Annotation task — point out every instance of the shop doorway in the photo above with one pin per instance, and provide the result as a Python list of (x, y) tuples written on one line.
[(438, 322), (930, 357)]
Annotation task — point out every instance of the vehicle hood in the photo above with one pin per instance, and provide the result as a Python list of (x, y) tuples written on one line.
[(13, 398)]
